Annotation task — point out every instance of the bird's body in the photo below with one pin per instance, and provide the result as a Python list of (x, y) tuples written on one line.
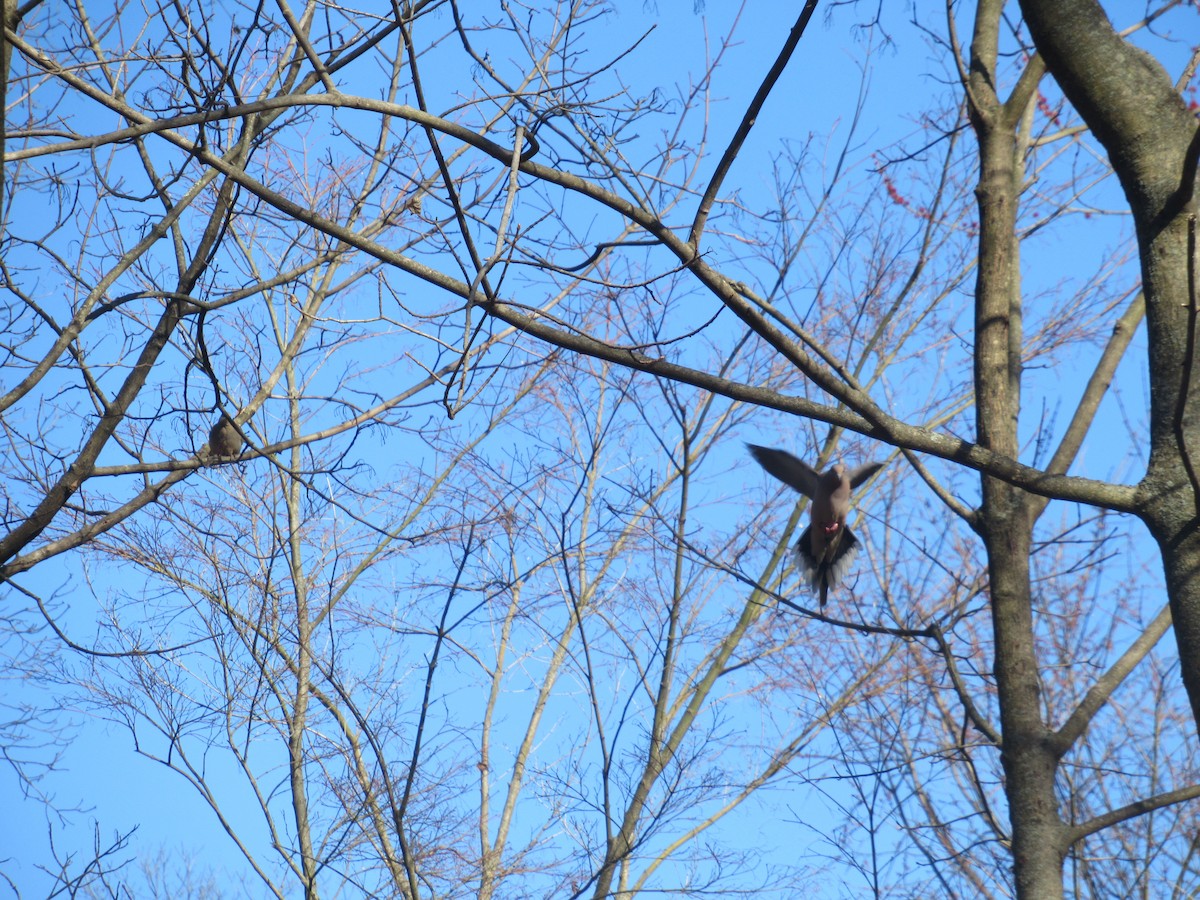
[(827, 546), (224, 439)]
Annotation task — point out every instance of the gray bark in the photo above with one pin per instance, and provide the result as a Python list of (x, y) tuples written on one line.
[(1131, 105), (1005, 520)]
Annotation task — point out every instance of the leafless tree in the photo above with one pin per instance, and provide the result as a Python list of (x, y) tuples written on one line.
[(405, 357)]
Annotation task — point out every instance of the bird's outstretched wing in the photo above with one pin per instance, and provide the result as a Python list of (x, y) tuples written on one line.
[(859, 476), (793, 472)]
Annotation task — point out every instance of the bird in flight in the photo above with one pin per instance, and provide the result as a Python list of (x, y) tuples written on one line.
[(827, 546)]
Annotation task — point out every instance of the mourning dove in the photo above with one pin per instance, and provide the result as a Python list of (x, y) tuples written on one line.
[(224, 439), (827, 546)]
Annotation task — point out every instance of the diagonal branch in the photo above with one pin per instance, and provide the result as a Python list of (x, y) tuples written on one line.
[(1104, 687), (748, 120), (854, 409), (1097, 387), (1131, 810)]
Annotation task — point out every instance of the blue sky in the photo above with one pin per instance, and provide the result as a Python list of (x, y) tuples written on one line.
[(814, 101)]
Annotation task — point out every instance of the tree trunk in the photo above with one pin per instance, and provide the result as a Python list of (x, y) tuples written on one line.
[(1005, 520), (1129, 103)]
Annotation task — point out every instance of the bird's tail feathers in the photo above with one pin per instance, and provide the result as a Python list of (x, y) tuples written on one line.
[(822, 575)]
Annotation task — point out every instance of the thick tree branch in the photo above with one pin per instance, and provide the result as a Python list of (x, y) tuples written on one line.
[(1129, 811), (867, 419)]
